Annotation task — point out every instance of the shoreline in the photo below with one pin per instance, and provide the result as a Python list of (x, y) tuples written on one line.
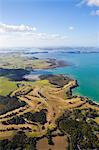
[(54, 63), (92, 102)]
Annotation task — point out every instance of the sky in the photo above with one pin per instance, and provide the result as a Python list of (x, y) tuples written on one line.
[(48, 23)]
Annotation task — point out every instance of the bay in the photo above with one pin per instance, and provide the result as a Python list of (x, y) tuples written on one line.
[(84, 68)]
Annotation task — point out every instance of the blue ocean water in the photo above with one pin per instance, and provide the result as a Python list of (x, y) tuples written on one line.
[(84, 67)]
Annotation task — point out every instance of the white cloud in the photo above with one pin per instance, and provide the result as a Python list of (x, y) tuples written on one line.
[(95, 12), (31, 40), (92, 2), (71, 28), (16, 28), (28, 31), (13, 35), (44, 36), (89, 2)]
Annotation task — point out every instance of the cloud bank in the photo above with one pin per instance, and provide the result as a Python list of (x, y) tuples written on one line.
[(22, 35), (16, 28)]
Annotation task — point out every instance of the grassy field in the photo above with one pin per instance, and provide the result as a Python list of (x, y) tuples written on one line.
[(6, 86), (20, 62)]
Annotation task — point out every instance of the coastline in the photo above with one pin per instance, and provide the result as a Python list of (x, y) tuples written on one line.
[(54, 63), (52, 96), (92, 102)]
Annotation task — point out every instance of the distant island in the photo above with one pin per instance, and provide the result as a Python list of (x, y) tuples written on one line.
[(75, 50), (44, 50)]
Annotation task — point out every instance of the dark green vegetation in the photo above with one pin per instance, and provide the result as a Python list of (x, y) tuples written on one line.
[(49, 137), (14, 74), (59, 80), (14, 120), (20, 141), (10, 104), (37, 117), (80, 129)]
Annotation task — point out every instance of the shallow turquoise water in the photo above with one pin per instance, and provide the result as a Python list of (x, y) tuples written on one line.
[(84, 68)]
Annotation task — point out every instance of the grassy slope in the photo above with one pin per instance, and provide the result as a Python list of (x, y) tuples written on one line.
[(17, 62), (6, 86)]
